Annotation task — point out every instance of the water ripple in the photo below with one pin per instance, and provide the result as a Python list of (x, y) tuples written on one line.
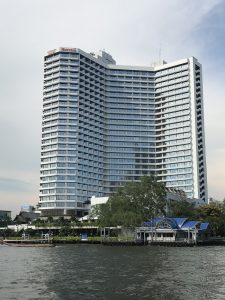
[(99, 272)]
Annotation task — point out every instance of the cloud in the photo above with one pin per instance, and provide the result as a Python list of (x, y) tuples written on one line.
[(132, 31), (210, 35), (15, 192), (15, 185), (216, 173)]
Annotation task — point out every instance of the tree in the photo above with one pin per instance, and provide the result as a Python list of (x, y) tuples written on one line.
[(50, 219), (74, 221), (61, 221), (214, 213), (7, 233), (182, 209), (133, 203)]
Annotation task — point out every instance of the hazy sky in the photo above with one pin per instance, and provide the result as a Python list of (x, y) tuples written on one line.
[(133, 32)]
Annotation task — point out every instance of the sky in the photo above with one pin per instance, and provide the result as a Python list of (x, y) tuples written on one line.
[(134, 33)]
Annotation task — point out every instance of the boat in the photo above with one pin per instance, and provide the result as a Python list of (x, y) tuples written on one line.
[(28, 243)]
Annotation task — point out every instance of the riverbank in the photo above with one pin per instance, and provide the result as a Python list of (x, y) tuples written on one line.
[(110, 241)]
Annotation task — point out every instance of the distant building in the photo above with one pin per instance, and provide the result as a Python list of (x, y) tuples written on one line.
[(105, 124), (90, 207), (27, 208), (5, 215), (26, 217), (28, 213), (98, 200)]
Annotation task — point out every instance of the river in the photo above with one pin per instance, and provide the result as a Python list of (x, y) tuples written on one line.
[(104, 272)]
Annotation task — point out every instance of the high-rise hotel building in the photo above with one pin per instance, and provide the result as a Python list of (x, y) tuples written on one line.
[(106, 124)]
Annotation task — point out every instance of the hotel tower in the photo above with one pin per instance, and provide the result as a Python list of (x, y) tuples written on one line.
[(105, 124)]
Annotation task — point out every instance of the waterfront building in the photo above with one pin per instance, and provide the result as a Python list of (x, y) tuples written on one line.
[(174, 230), (106, 124)]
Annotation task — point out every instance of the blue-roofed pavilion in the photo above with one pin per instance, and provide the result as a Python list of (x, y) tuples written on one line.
[(166, 229)]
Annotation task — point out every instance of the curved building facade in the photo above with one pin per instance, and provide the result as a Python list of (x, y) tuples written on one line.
[(105, 124)]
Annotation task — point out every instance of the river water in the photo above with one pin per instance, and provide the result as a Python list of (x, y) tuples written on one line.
[(105, 272)]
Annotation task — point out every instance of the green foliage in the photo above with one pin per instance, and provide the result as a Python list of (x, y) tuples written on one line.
[(213, 213), (50, 219), (6, 233), (65, 231), (61, 221), (39, 222), (74, 221), (66, 238), (182, 209), (133, 204)]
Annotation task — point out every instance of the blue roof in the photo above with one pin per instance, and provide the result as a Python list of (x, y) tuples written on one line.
[(204, 226), (177, 223), (155, 222), (180, 221), (190, 225), (170, 221)]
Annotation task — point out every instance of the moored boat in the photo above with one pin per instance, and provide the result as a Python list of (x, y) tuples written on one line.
[(29, 243)]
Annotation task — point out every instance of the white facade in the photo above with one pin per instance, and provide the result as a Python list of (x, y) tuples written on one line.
[(105, 124), (181, 150), (98, 200)]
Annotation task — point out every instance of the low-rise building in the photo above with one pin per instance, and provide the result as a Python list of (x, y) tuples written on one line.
[(25, 217), (5, 215), (175, 230)]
